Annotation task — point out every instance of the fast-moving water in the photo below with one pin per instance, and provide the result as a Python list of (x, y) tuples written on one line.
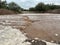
[(47, 22), (35, 17)]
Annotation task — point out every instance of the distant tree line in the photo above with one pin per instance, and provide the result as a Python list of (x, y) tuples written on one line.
[(41, 7), (10, 6)]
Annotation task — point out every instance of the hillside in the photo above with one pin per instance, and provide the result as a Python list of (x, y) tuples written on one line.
[(6, 12)]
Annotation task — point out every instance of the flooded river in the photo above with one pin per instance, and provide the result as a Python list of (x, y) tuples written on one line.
[(44, 26)]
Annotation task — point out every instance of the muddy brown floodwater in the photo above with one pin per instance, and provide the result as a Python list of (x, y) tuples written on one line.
[(43, 26)]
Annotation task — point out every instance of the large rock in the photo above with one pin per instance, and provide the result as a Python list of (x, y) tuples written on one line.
[(36, 42)]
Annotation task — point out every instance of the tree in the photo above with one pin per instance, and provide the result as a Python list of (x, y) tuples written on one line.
[(52, 6), (3, 4), (32, 9), (40, 7), (13, 6)]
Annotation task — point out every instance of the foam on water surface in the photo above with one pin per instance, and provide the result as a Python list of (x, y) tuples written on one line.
[(10, 36)]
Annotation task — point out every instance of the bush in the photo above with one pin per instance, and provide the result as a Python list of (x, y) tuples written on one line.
[(32, 9)]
